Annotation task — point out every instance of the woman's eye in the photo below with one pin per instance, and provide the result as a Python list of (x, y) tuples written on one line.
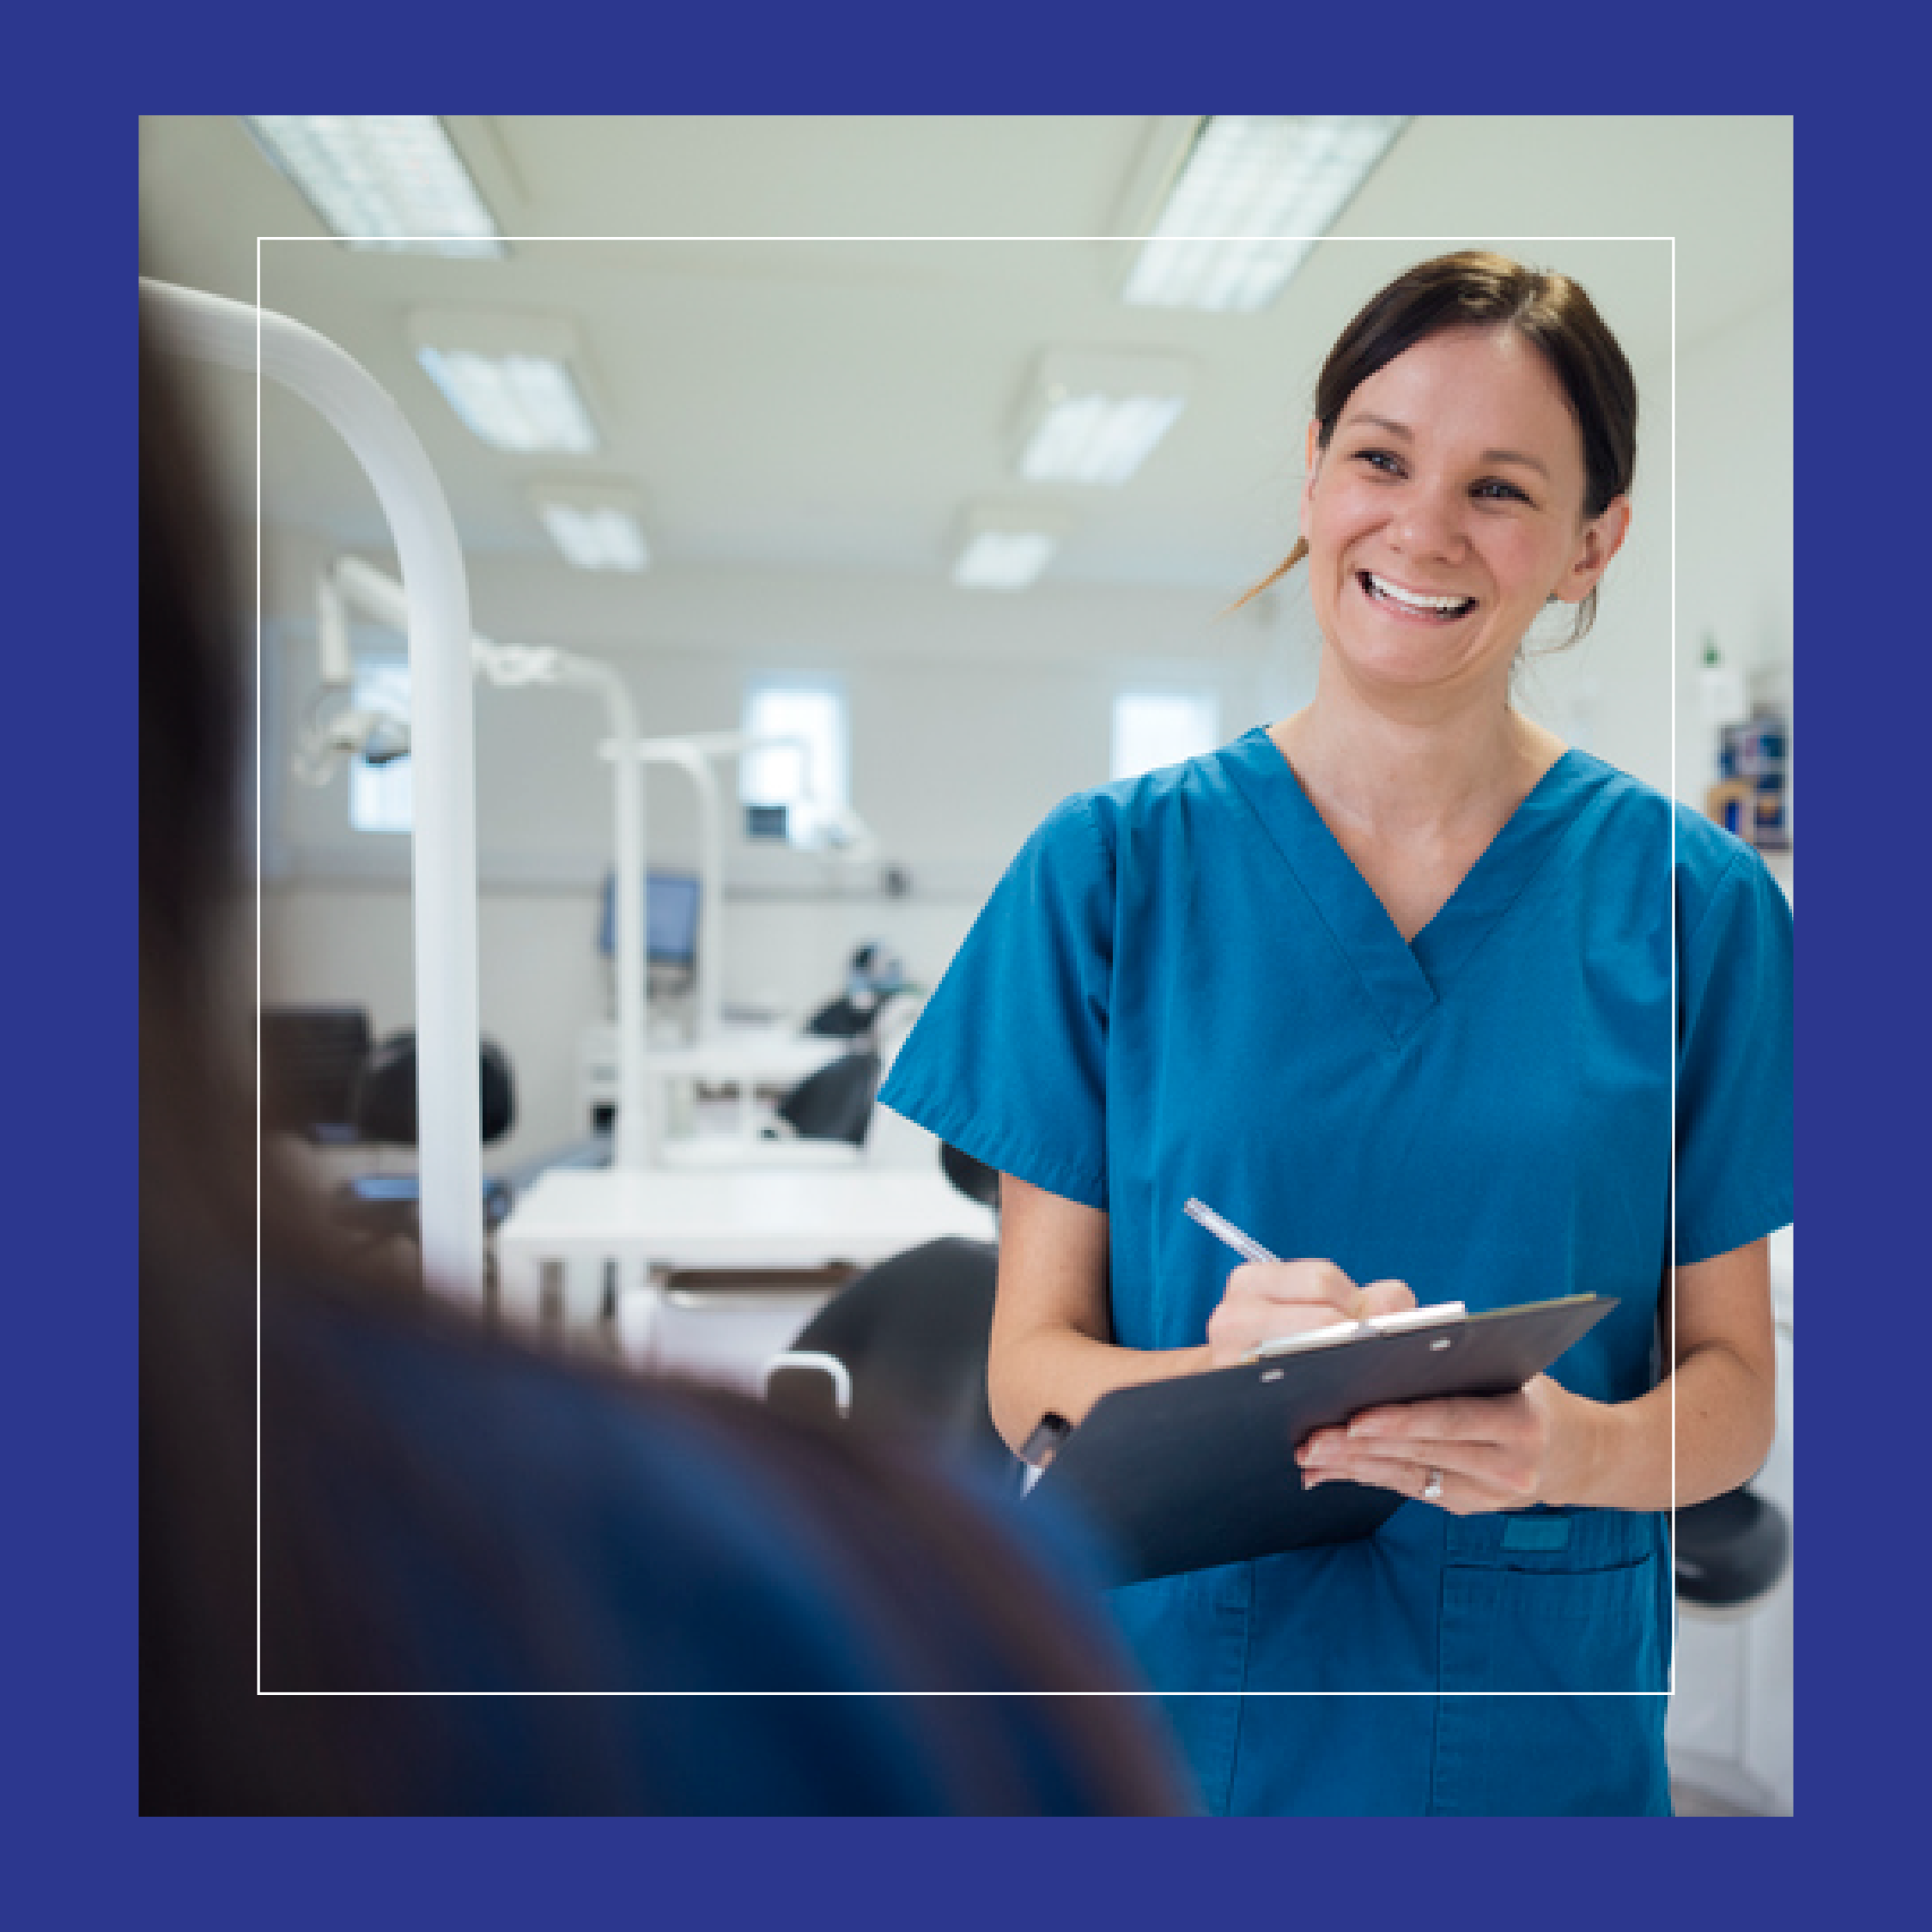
[(1379, 459), (1499, 491)]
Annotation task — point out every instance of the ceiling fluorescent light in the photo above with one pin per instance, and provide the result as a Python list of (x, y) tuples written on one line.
[(509, 378), (392, 182), (1261, 189), (1003, 559), (1006, 549), (596, 528), (1095, 417)]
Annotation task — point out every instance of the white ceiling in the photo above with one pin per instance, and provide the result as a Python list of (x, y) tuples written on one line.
[(835, 404)]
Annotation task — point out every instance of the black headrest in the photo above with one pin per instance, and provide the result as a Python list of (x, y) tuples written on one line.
[(836, 1102), (386, 1092), (1731, 1550), (973, 1178)]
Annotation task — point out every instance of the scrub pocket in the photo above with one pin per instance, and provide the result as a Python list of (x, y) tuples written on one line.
[(1553, 1667)]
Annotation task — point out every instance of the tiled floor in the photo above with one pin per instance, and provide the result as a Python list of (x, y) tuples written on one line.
[(1690, 1802)]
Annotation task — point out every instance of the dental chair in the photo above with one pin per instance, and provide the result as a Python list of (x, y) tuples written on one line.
[(902, 1351), (973, 1178), (834, 1103), (1731, 1553), (380, 1206), (822, 1122)]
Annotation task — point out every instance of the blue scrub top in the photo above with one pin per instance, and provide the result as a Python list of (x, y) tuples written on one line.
[(1182, 986)]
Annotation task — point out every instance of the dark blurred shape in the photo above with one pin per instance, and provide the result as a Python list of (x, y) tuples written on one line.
[(913, 1334), (386, 1091), (843, 1018), (311, 1056), (383, 1206), (343, 1489), (834, 1102), (1730, 1551), (875, 974), (973, 1178)]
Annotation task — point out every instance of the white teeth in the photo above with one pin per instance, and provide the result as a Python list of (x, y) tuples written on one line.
[(1396, 595)]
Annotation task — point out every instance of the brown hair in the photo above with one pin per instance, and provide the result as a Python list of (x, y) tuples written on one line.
[(1475, 288)]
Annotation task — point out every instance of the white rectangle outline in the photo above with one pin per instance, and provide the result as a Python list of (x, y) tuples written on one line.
[(1670, 1541)]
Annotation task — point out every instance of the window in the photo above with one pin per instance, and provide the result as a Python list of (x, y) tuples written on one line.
[(381, 798), (1155, 728), (793, 791)]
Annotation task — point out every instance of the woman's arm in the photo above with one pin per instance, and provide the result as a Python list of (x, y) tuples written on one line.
[(1546, 1445), (1052, 1351), (1053, 1347)]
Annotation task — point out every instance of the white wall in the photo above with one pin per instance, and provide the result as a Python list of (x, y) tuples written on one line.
[(1734, 461)]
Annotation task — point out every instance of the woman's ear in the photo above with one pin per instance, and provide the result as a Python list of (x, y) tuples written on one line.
[(1312, 462), (1602, 537)]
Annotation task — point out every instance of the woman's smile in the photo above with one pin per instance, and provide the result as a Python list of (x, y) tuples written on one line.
[(1418, 606)]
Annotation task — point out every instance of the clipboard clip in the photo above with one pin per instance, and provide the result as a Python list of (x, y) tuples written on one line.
[(1338, 1333)]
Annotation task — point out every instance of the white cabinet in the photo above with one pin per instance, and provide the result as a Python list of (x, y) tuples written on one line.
[(1730, 1731)]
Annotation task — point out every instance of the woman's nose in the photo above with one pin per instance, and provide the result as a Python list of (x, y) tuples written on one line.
[(1428, 521)]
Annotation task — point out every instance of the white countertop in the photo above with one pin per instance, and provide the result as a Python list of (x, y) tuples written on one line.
[(742, 1218)]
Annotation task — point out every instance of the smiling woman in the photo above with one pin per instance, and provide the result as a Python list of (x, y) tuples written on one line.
[(1447, 505), (1443, 1011), (1471, 307)]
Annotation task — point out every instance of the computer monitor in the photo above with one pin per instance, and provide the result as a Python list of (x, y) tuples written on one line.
[(670, 919)]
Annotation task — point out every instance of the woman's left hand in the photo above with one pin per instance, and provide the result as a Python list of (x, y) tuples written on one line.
[(1486, 1452)]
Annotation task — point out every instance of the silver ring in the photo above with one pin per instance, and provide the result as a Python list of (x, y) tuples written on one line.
[(1432, 1490)]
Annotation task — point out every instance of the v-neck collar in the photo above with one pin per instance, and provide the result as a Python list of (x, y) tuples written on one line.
[(1403, 979)]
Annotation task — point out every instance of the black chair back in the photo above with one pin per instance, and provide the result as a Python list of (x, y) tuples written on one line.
[(312, 1056), (973, 1178), (914, 1333), (385, 1103), (843, 1019), (1730, 1551), (834, 1103)]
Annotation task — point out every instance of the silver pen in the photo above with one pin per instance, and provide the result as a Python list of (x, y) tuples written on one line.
[(1244, 1245), (1348, 1330)]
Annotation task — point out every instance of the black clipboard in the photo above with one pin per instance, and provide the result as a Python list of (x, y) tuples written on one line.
[(1200, 1469)]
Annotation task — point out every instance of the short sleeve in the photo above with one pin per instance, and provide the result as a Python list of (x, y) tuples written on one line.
[(1008, 1060), (1735, 1065)]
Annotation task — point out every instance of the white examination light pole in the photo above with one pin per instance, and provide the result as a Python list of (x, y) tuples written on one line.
[(694, 756), (698, 754), (349, 581), (449, 1108)]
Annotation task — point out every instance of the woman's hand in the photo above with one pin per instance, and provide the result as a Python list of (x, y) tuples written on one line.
[(1266, 1300), (1488, 1452)]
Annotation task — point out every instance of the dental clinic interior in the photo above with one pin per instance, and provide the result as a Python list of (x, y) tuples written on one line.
[(828, 498)]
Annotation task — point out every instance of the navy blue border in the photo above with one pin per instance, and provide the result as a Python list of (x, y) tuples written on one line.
[(72, 772)]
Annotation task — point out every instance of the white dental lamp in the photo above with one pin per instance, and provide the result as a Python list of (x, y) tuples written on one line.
[(349, 581), (838, 831)]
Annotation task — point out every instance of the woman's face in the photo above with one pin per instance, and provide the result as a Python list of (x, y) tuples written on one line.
[(1446, 510)]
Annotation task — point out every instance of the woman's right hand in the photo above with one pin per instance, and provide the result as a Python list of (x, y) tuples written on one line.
[(1265, 1301)]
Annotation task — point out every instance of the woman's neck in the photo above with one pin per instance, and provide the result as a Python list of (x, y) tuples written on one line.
[(1418, 771)]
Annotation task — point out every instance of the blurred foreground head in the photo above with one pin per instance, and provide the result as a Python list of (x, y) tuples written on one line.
[(441, 1511)]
